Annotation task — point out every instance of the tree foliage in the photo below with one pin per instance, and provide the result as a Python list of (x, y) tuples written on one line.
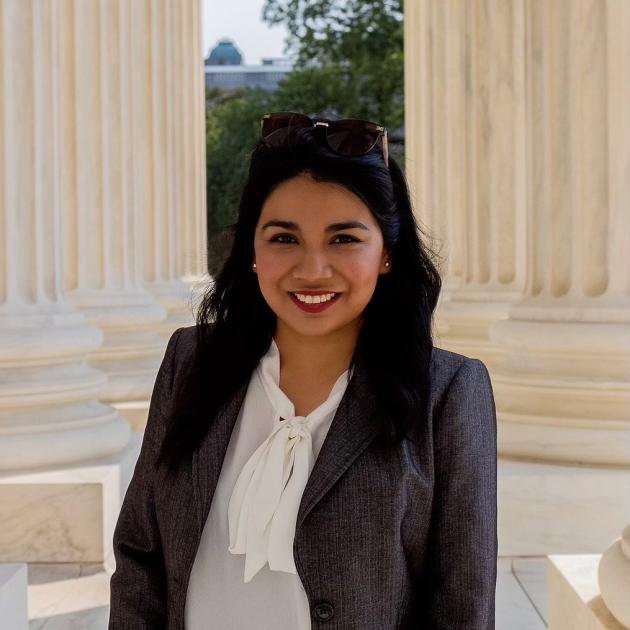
[(337, 31), (232, 129), (361, 38)]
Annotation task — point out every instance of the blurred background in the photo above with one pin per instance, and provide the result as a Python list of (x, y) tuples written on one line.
[(125, 130)]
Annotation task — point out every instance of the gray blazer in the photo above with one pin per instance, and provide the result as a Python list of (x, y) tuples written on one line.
[(382, 542)]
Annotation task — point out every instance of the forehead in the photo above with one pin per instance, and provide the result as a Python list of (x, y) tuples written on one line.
[(306, 201)]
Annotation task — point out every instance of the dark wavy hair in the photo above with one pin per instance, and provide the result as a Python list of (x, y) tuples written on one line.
[(235, 325)]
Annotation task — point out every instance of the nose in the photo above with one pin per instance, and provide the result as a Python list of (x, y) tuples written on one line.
[(312, 265)]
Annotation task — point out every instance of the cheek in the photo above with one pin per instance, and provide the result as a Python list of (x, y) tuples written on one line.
[(362, 277), (362, 270), (270, 265)]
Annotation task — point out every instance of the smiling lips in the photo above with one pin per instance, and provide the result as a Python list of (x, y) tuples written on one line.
[(314, 292), (314, 307)]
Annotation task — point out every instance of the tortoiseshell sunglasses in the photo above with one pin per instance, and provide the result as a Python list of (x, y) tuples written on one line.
[(346, 136)]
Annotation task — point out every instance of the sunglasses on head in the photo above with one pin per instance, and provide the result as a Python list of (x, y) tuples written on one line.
[(346, 136)]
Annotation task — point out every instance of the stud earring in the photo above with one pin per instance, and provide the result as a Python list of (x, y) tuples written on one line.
[(254, 266), (387, 264)]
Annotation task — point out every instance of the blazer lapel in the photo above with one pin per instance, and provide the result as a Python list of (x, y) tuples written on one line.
[(350, 432), (208, 459)]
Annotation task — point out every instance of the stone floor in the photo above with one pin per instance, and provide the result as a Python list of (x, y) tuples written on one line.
[(76, 597)]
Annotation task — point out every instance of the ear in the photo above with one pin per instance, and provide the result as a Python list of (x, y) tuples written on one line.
[(386, 257)]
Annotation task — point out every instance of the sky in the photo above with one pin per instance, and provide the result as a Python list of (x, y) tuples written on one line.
[(241, 21)]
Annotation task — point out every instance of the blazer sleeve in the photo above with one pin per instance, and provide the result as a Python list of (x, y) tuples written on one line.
[(138, 585), (464, 545)]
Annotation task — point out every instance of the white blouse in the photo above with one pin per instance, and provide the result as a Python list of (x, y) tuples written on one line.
[(244, 575)]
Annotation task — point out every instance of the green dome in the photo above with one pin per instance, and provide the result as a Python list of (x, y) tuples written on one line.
[(225, 53)]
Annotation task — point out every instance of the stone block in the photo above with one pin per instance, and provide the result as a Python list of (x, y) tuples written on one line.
[(574, 598), (65, 514)]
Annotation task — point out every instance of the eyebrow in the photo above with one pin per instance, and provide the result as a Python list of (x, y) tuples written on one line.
[(333, 227)]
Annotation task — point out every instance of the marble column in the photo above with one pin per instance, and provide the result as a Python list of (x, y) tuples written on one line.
[(50, 412), (97, 190), (563, 390), (192, 255), (151, 128), (195, 264), (465, 123), (518, 156), (102, 214), (175, 268)]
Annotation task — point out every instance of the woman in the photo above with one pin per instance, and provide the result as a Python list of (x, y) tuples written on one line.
[(314, 462)]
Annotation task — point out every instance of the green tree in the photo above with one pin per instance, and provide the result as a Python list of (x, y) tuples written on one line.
[(316, 90), (358, 41), (232, 129)]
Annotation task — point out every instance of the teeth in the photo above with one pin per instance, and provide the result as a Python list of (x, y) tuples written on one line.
[(314, 299)]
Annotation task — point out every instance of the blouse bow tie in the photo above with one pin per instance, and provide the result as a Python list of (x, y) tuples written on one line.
[(263, 507)]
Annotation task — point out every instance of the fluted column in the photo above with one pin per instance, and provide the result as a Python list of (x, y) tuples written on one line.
[(466, 158), (190, 141), (195, 265), (103, 219), (148, 96), (519, 158), (175, 265), (49, 412), (200, 225), (563, 391)]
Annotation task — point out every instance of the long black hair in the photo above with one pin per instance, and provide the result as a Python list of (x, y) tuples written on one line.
[(235, 325)]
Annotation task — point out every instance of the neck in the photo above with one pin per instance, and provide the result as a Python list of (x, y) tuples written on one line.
[(314, 356)]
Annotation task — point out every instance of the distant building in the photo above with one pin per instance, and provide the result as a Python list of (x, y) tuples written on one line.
[(225, 69), (225, 53)]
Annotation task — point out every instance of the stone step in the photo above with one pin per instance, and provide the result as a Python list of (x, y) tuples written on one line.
[(13, 593)]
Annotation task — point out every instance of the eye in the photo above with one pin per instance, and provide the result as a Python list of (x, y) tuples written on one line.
[(274, 239), (351, 239)]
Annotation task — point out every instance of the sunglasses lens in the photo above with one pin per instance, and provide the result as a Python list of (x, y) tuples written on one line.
[(277, 128), (352, 137)]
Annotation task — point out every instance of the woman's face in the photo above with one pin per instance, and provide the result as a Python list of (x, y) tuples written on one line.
[(310, 253)]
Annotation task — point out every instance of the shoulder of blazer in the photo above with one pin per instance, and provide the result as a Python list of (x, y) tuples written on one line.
[(179, 353), (445, 365), (185, 349), (187, 342)]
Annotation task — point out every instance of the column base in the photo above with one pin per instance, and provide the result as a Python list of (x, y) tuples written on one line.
[(180, 299), (65, 514), (562, 391), (464, 318), (135, 412), (554, 508), (574, 598)]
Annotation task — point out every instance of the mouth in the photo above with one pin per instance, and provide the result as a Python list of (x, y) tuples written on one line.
[(314, 307)]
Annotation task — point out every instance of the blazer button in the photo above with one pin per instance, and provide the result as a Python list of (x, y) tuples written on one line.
[(323, 611)]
